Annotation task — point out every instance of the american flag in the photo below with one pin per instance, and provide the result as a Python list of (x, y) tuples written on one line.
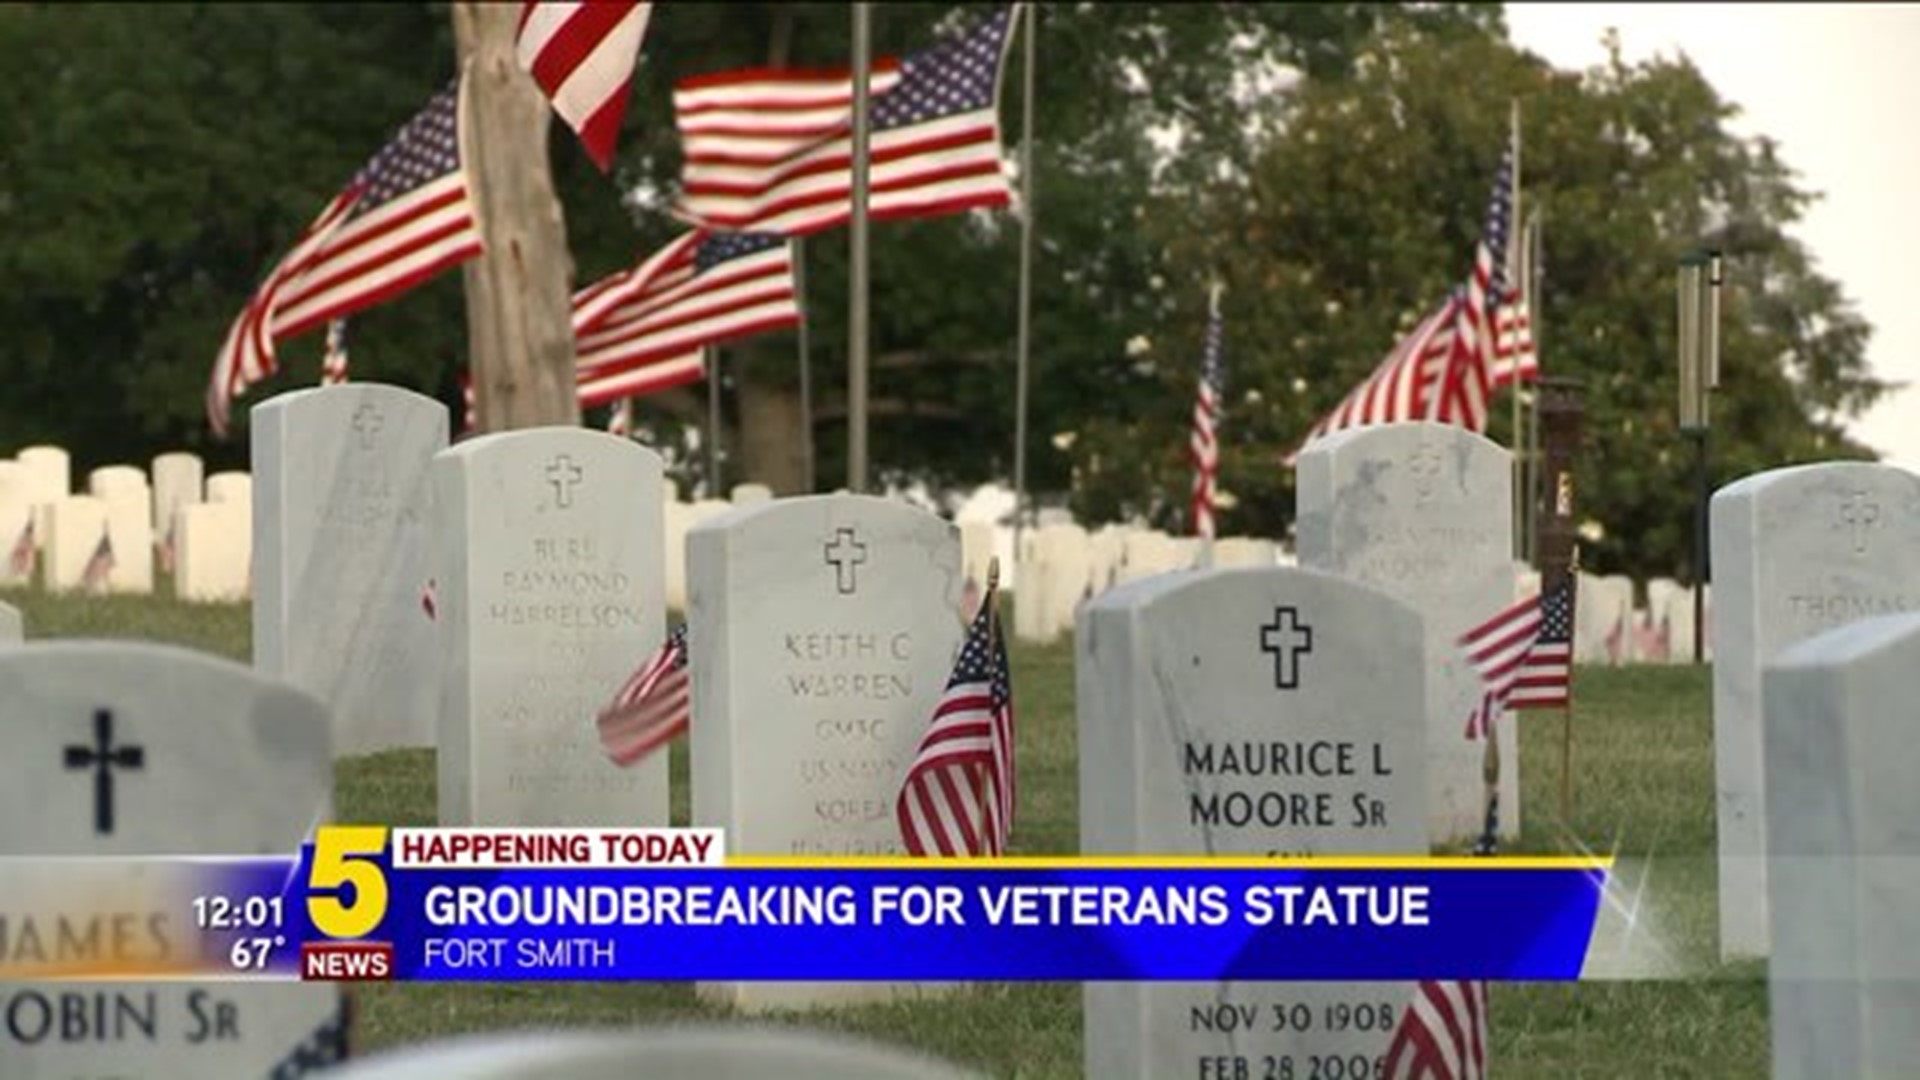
[(934, 147), (333, 366), (1546, 678), (582, 55), (99, 569), (1206, 415), (404, 217), (959, 793), (1407, 385), (1445, 370), (652, 708), (20, 559), (1515, 359), (1498, 650), (1523, 655), (644, 329), (1442, 1034), (738, 128), (620, 418)]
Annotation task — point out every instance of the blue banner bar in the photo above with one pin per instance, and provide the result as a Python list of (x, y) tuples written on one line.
[(904, 920)]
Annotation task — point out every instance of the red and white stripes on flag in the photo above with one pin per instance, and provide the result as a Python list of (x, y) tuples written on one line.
[(1410, 384), (1204, 443), (652, 707), (20, 559), (582, 54), (645, 329), (1498, 649), (958, 797), (1515, 358), (1442, 1035), (404, 217), (98, 572), (772, 151)]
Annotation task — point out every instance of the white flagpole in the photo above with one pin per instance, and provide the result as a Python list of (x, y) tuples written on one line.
[(857, 285), (1023, 335), (713, 422), (805, 348)]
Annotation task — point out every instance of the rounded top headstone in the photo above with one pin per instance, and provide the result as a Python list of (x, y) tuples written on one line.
[(692, 1053)]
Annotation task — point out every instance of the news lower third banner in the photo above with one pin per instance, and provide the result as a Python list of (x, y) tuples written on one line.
[(369, 902)]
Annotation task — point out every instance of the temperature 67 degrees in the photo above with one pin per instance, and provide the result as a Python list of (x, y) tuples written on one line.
[(252, 953)]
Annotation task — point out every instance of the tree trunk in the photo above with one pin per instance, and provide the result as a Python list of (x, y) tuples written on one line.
[(768, 443), (519, 294)]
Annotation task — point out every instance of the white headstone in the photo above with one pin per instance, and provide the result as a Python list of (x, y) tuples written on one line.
[(706, 1052), (75, 526), (1178, 678), (749, 494), (1032, 615), (131, 749), (676, 519), (109, 478), (340, 557), (976, 548), (179, 479), (230, 487), (546, 548), (213, 552), (52, 472), (1144, 554), (1844, 868), (18, 547), (1424, 512), (11, 631), (1106, 550), (1597, 616), (1526, 582), (1616, 600), (1673, 603), (1795, 551), (1243, 551), (130, 530), (821, 632), (1068, 573)]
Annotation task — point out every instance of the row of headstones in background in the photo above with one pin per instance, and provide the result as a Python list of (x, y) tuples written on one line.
[(1060, 565), (209, 519), (1796, 551)]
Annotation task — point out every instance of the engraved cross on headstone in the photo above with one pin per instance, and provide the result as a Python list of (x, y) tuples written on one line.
[(1859, 513), (103, 757), (845, 554), (562, 473), (1287, 638), (367, 422)]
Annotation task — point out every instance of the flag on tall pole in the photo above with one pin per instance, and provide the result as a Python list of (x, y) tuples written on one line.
[(958, 797), (858, 182), (773, 166), (1444, 370), (404, 217), (582, 55), (642, 330), (1204, 443)]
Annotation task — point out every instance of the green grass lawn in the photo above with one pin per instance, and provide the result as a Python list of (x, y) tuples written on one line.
[(1643, 789)]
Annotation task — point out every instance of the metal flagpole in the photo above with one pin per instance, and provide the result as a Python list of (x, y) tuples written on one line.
[(713, 422), (1536, 276), (1023, 339), (806, 366), (857, 285)]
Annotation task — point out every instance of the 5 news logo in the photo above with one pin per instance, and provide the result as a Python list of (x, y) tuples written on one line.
[(347, 903)]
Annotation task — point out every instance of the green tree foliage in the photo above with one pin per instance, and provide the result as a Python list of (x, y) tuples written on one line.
[(1360, 215), (155, 161)]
